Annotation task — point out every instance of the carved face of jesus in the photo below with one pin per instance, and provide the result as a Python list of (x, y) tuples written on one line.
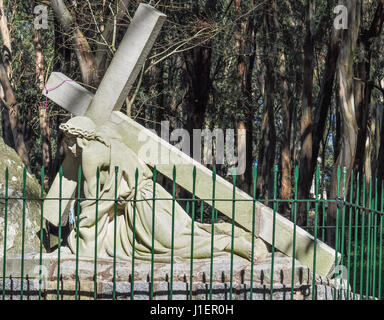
[(71, 145)]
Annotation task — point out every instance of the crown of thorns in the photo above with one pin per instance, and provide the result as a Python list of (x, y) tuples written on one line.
[(89, 134)]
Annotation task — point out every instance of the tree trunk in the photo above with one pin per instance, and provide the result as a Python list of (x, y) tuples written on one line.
[(287, 108), (43, 117), (87, 60), (61, 63), (363, 89), (305, 178), (347, 152), (197, 81), (106, 45), (198, 66), (245, 48), (8, 97), (267, 146), (380, 150)]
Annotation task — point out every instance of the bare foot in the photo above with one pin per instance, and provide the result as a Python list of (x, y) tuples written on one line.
[(242, 248)]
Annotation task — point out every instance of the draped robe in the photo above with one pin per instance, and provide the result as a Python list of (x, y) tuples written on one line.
[(126, 219)]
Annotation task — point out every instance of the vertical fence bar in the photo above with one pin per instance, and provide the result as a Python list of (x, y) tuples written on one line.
[(381, 250), (314, 286), (253, 229), (23, 233), (349, 235), (374, 256), (77, 232), (323, 219), (173, 229), (343, 231), (201, 211), (212, 230), (192, 231), (368, 241), (5, 230), (337, 226), (134, 236), (294, 232), (374, 251), (381, 238), (274, 228), (362, 243), (114, 236), (96, 231), (233, 233), (357, 201), (41, 228), (59, 235), (153, 230), (323, 202)]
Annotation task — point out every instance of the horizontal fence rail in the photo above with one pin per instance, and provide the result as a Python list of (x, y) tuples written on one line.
[(351, 222)]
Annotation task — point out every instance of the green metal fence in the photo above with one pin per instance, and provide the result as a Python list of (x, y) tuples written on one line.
[(357, 232)]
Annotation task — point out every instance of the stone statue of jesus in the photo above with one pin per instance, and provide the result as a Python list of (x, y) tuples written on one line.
[(102, 147)]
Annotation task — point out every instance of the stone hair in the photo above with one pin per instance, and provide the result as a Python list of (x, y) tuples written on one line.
[(90, 135)]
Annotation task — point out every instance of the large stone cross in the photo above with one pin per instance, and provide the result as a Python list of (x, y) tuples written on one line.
[(104, 107)]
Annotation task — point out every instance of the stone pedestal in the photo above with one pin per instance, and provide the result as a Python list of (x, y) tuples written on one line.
[(282, 279)]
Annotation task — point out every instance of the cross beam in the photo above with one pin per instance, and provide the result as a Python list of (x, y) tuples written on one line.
[(98, 107), (126, 64)]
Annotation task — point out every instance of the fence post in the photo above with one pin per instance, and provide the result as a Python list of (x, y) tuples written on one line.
[(362, 243), (23, 233), (314, 286), (153, 230), (253, 228), (274, 228), (294, 231), (357, 201), (369, 241), (5, 230), (41, 228), (192, 232), (114, 236), (134, 235), (96, 227), (173, 229), (59, 235), (337, 227), (381, 242), (233, 233), (350, 235), (212, 230), (77, 232), (343, 231)]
